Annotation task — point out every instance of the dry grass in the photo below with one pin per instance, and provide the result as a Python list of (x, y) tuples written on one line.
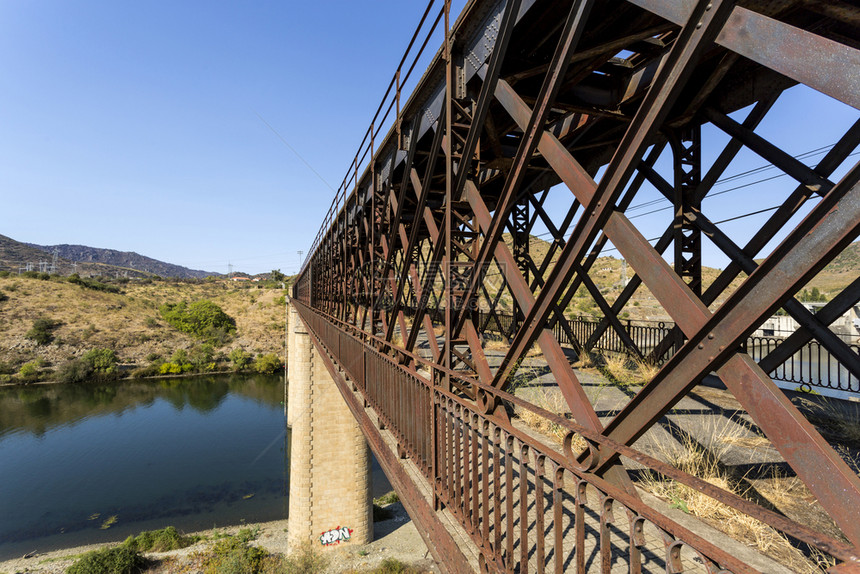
[(837, 419), (625, 371), (129, 322), (499, 345), (552, 401), (535, 352), (585, 361), (704, 461)]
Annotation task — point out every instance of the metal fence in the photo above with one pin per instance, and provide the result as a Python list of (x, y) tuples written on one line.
[(813, 366)]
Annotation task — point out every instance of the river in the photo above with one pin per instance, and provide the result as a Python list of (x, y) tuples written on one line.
[(96, 462)]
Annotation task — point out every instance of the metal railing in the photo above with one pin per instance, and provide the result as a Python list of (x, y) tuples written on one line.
[(527, 506), (813, 366)]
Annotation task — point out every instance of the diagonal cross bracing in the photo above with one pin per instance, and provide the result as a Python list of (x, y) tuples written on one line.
[(550, 117)]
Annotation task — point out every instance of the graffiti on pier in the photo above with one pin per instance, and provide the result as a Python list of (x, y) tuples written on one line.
[(335, 536)]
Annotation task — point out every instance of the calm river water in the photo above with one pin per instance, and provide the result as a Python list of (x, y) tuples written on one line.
[(97, 462)]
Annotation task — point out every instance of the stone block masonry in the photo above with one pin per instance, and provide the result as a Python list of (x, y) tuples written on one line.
[(330, 486)]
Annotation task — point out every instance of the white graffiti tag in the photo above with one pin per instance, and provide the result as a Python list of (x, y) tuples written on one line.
[(335, 536)]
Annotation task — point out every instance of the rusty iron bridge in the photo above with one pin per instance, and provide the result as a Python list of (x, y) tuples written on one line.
[(423, 290)]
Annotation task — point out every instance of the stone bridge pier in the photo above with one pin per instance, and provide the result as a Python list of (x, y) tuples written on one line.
[(330, 481)]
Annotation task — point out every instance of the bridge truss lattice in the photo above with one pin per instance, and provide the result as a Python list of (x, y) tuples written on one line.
[(554, 117)]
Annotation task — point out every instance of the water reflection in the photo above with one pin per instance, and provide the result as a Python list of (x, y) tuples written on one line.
[(188, 452)]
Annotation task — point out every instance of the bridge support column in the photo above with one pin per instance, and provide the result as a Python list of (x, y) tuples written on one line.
[(330, 485)]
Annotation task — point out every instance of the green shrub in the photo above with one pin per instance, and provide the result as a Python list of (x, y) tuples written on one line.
[(248, 534), (203, 319), (153, 357), (92, 284), (29, 371), (268, 364), (159, 540), (180, 357), (240, 358), (387, 498), (118, 560), (170, 368), (395, 566), (41, 331), (74, 371), (4, 274), (3, 297), (201, 356), (102, 360), (232, 555)]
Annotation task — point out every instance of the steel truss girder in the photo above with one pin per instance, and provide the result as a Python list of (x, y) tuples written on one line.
[(393, 243)]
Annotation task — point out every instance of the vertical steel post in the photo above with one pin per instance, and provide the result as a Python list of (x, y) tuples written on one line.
[(520, 227), (687, 156)]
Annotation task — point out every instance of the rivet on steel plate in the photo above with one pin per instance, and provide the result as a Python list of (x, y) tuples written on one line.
[(699, 25), (701, 346)]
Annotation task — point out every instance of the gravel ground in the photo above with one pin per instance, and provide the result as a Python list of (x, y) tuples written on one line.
[(394, 538)]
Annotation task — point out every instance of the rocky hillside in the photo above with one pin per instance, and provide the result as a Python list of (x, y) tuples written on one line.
[(16, 256), (124, 260)]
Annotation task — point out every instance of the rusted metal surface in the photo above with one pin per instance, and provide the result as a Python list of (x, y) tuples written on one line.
[(555, 117)]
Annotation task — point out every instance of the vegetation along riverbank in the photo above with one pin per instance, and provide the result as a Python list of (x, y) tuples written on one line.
[(71, 329)]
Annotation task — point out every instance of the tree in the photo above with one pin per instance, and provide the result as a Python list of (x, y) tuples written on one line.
[(101, 360), (277, 275), (203, 319)]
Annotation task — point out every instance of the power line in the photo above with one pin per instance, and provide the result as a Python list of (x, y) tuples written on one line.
[(298, 155), (724, 191), (745, 215)]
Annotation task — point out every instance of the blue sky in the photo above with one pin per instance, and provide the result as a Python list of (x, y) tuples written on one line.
[(134, 125), (137, 125)]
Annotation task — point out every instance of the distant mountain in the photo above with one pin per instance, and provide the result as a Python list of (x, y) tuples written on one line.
[(123, 259), (15, 255)]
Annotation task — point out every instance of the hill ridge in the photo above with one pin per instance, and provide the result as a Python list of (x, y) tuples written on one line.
[(85, 260)]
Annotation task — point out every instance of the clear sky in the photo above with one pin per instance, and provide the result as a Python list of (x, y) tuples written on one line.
[(137, 125)]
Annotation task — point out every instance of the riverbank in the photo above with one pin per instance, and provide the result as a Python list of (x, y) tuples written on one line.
[(132, 379), (396, 538)]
